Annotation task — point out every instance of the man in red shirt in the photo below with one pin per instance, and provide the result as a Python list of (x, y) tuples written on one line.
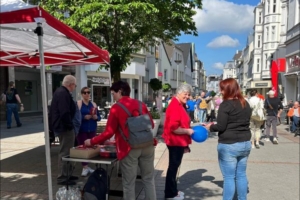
[(129, 158)]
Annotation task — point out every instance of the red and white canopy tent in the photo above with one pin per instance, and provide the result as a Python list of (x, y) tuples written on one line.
[(32, 37)]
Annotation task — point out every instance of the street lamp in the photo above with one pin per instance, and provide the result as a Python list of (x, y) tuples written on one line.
[(177, 62)]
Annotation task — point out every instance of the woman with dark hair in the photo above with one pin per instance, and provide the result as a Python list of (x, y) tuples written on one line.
[(129, 158), (89, 117), (12, 99), (234, 139)]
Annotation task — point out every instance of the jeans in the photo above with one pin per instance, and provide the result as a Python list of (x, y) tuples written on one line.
[(143, 158), (12, 108), (175, 157), (233, 163), (202, 115), (295, 123)]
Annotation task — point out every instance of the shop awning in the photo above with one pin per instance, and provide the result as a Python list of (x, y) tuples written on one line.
[(62, 45)]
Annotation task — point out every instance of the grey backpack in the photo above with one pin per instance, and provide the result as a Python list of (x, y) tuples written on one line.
[(140, 134)]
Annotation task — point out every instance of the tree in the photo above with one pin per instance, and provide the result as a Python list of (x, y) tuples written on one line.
[(166, 87), (155, 84), (124, 27)]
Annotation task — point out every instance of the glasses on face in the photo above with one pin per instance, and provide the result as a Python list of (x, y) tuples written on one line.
[(86, 92)]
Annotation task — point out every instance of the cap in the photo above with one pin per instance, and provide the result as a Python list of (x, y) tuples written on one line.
[(271, 92)]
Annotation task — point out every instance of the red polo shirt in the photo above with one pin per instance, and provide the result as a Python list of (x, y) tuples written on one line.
[(176, 116), (117, 118)]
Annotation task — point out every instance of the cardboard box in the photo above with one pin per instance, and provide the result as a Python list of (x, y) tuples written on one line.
[(84, 152)]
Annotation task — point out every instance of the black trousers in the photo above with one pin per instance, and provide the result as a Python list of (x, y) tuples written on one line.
[(175, 157), (191, 114)]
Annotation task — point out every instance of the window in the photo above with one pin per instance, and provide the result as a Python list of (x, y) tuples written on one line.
[(166, 74), (259, 17), (267, 34), (273, 33), (266, 58), (147, 76), (258, 41), (257, 66), (268, 5), (274, 6)]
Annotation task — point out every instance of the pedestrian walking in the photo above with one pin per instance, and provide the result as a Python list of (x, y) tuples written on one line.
[(294, 114), (191, 108), (12, 100), (177, 137), (62, 112), (273, 108), (257, 118), (130, 158), (234, 139)]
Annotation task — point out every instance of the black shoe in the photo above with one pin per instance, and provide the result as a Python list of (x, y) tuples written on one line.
[(65, 182), (73, 178), (8, 127), (19, 125)]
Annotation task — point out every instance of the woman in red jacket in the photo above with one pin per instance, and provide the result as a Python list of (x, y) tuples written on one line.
[(129, 158), (177, 135)]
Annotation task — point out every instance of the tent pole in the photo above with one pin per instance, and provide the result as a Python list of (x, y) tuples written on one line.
[(39, 32), (109, 76)]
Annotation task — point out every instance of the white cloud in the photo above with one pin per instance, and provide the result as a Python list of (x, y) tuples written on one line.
[(224, 16), (218, 65), (223, 41)]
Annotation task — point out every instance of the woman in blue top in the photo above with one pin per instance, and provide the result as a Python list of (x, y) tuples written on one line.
[(89, 117)]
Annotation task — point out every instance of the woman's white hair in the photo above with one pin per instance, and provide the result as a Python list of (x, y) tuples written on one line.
[(185, 87), (68, 80)]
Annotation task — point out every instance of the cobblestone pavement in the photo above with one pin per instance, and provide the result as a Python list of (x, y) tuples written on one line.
[(273, 170)]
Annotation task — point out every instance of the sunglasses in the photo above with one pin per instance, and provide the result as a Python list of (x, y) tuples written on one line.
[(86, 92)]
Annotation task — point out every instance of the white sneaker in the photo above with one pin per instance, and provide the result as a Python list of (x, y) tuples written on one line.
[(267, 139), (275, 141), (178, 197), (85, 171), (91, 170), (181, 193)]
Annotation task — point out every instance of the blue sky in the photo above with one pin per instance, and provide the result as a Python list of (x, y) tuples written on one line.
[(223, 27)]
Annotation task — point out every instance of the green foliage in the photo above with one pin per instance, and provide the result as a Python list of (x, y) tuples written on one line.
[(124, 27), (154, 113), (155, 84), (166, 87)]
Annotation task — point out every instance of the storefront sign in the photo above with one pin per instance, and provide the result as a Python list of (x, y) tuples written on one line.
[(100, 80), (294, 63), (261, 84)]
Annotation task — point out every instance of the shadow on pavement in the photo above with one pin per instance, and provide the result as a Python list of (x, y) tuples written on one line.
[(189, 181)]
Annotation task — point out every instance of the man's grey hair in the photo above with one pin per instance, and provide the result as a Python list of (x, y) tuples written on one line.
[(185, 87), (68, 80)]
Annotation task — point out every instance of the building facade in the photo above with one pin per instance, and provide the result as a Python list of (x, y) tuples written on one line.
[(292, 74)]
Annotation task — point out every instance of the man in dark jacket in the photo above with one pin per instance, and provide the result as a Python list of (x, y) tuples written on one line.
[(274, 108), (62, 112)]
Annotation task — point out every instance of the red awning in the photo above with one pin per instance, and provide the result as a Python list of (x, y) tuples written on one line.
[(62, 45)]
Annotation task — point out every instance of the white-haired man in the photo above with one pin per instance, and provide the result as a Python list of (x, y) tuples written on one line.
[(274, 108), (62, 112)]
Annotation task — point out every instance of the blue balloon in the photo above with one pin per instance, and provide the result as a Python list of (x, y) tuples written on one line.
[(200, 134)]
